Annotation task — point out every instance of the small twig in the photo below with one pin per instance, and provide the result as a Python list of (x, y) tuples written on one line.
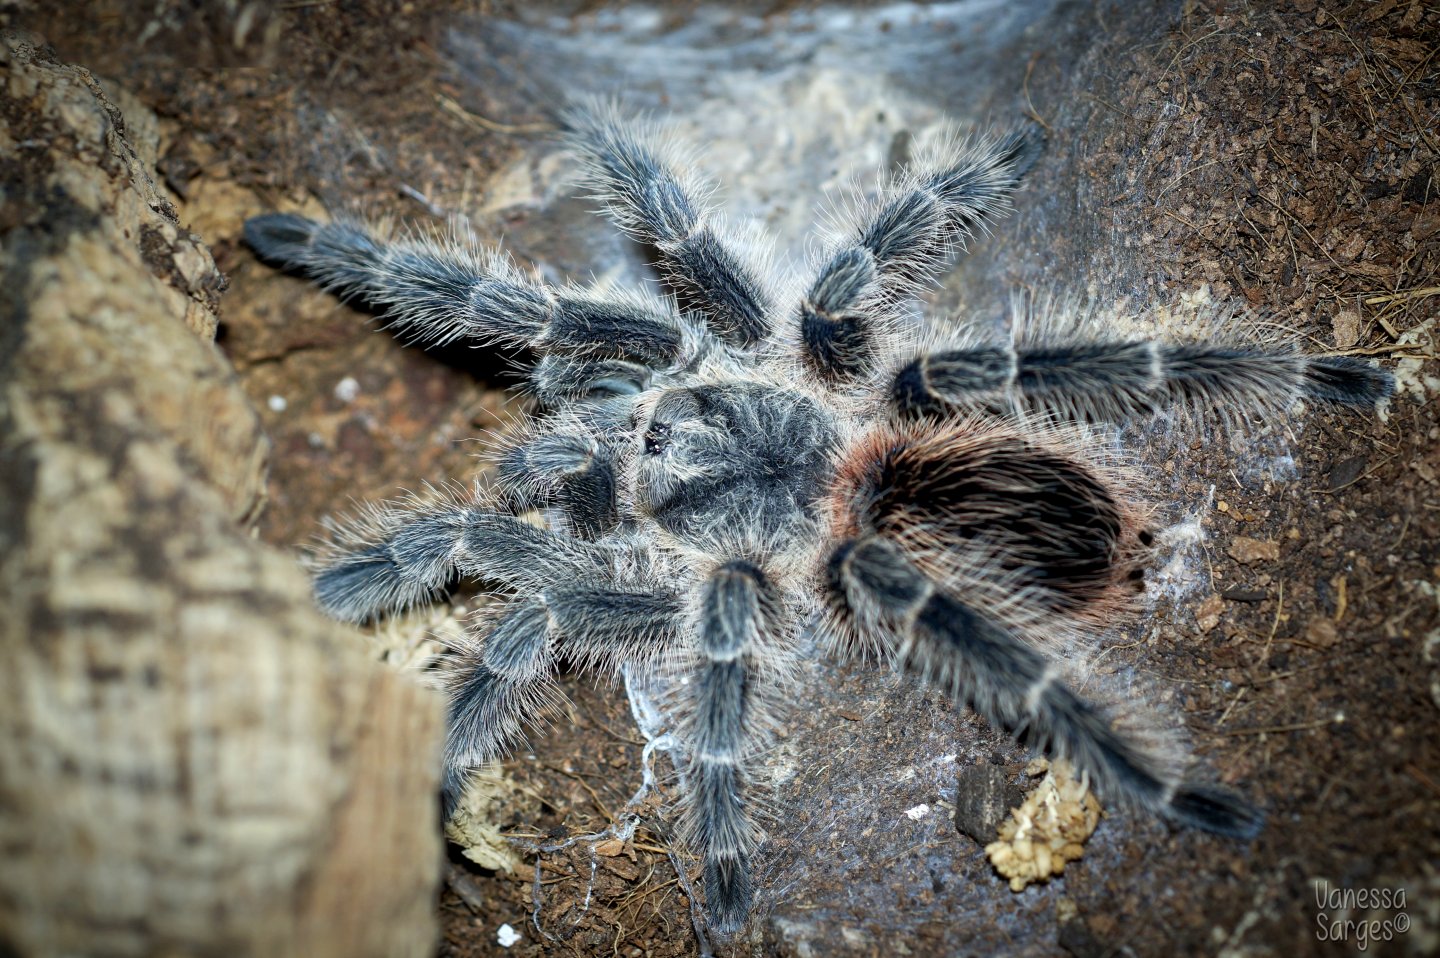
[(1275, 623), (1407, 294), (1280, 676), (579, 778), (1231, 707), (1176, 182), (1303, 228), (1422, 778), (1096, 661), (1364, 475), (1025, 87), (1297, 727), (925, 845)]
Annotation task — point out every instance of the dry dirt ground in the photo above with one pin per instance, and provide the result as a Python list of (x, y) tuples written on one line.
[(1285, 154)]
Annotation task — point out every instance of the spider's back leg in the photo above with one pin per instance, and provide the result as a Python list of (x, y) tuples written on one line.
[(936, 633), (956, 549), (1114, 379)]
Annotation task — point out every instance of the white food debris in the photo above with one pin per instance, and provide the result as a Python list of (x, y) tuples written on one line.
[(1050, 829), (506, 935), (918, 812), (276, 403), (347, 389)]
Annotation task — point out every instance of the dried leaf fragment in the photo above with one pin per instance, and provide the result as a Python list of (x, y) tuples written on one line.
[(1247, 551), (473, 827), (1207, 613)]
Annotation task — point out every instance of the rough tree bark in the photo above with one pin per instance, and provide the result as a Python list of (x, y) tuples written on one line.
[(192, 760)]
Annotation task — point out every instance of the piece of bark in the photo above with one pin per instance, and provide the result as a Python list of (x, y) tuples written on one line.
[(192, 760)]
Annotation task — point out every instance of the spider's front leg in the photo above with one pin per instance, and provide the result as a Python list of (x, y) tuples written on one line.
[(439, 292), (739, 615), (572, 471), (652, 196), (559, 381), (901, 242)]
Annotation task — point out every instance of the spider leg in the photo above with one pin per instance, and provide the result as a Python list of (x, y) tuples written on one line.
[(572, 472), (877, 591), (901, 242), (504, 682), (438, 293), (648, 194), (493, 690), (558, 381), (1116, 380), (400, 557), (737, 611)]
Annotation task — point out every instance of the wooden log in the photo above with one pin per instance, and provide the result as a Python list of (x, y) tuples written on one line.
[(192, 760)]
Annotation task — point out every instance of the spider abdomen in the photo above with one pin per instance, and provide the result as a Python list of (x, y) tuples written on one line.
[(977, 499)]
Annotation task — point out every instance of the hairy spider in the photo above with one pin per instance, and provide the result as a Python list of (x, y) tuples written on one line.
[(725, 468)]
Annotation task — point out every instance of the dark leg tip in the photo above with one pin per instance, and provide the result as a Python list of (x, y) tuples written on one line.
[(1348, 381), (910, 393), (1023, 147), (1215, 810), (279, 237), (728, 893), (452, 788), (357, 587)]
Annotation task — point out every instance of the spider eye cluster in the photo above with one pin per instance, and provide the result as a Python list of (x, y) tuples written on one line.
[(675, 411), (657, 438)]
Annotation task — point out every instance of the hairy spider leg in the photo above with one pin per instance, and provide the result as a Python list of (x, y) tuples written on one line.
[(879, 592), (435, 292), (654, 197), (900, 242), (572, 472), (557, 381), (402, 556), (738, 612), (503, 680), (1123, 378)]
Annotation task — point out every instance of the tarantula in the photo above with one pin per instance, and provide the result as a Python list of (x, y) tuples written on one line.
[(727, 467)]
